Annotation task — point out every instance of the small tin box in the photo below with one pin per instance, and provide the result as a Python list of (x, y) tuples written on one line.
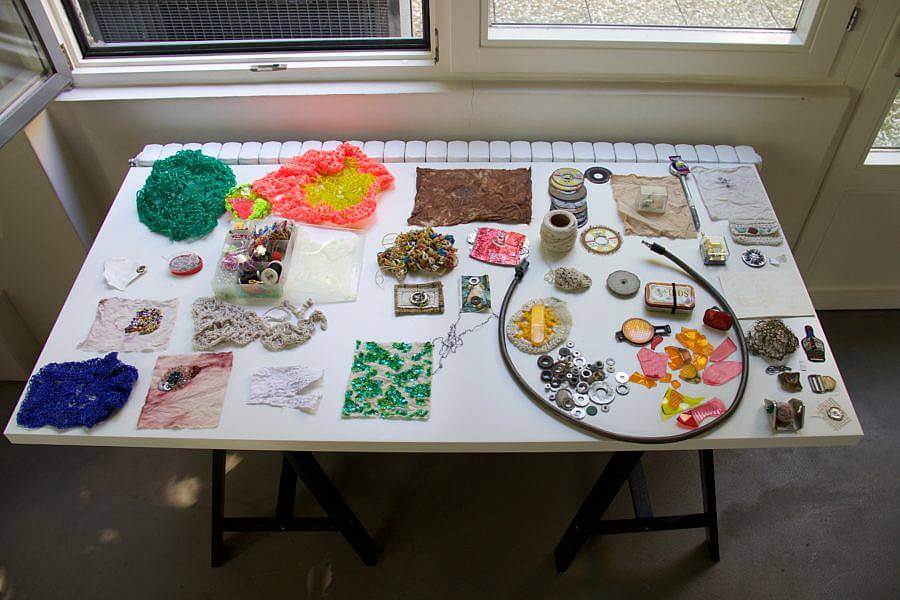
[(714, 250), (653, 199), (669, 297)]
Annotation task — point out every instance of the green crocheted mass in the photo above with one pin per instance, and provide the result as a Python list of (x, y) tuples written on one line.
[(185, 194)]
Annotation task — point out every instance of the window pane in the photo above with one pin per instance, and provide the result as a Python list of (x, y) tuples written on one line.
[(747, 14), (175, 26), (22, 62), (889, 134)]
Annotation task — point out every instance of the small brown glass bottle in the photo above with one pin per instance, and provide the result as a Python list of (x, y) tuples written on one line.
[(813, 346)]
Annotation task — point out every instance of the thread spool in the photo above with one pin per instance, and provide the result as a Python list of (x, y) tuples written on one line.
[(559, 230)]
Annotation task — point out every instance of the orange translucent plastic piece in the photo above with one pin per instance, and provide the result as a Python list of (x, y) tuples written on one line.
[(690, 374), (537, 325), (666, 379), (676, 384), (677, 357), (695, 341), (700, 361), (642, 379)]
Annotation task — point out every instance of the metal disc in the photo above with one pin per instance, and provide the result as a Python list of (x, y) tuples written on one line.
[(598, 174), (601, 240), (623, 283)]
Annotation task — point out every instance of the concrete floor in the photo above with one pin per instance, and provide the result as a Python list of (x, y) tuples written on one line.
[(806, 523)]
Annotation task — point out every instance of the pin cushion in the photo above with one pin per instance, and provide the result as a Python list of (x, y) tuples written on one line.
[(184, 195), (337, 186)]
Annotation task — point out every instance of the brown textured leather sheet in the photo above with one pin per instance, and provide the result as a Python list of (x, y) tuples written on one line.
[(454, 196)]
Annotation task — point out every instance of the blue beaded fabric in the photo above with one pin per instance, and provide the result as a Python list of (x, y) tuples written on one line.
[(73, 394)]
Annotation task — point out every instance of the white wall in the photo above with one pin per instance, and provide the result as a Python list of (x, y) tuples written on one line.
[(42, 256), (792, 127)]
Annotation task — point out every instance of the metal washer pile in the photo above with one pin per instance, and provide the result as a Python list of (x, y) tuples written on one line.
[(579, 387)]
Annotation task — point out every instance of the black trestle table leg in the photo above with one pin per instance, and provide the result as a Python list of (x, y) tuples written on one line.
[(627, 466), (294, 465)]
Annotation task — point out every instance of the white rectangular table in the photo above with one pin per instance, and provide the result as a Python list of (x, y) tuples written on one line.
[(476, 407)]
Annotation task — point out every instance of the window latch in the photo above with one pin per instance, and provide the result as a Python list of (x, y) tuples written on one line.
[(270, 67), (854, 17)]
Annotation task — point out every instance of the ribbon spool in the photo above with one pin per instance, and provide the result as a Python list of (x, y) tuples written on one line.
[(559, 230)]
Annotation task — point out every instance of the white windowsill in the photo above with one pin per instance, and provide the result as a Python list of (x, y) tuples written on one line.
[(882, 156), (329, 88), (575, 35)]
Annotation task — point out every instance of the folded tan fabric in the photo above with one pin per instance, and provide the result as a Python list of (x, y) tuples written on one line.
[(675, 222)]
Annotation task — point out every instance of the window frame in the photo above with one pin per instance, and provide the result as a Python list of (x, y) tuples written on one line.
[(34, 99), (807, 54), (825, 55), (71, 10)]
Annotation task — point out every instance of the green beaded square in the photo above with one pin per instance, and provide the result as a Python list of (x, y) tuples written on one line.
[(390, 380)]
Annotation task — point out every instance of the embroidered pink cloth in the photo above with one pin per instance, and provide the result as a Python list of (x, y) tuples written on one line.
[(723, 351), (498, 247), (197, 404), (653, 364), (721, 372)]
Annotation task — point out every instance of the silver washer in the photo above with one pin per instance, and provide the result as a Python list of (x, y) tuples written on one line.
[(605, 408), (570, 345), (578, 413), (621, 376), (547, 387), (622, 390), (581, 400), (601, 393), (586, 373), (610, 362), (579, 361), (611, 368), (577, 353), (582, 388), (552, 397)]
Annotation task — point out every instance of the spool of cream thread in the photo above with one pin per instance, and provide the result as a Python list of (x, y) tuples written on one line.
[(559, 230)]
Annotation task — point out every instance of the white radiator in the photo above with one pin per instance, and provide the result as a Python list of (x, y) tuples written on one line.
[(271, 153)]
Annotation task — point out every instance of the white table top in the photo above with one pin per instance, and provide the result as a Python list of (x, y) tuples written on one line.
[(476, 407)]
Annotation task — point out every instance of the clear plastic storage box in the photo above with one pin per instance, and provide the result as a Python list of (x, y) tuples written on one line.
[(255, 260)]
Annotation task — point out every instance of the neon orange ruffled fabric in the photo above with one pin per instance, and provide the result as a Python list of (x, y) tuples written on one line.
[(336, 186)]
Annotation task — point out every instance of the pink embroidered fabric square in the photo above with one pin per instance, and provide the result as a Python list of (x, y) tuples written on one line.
[(186, 391), (498, 247)]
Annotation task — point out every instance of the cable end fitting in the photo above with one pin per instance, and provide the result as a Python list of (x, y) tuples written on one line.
[(654, 247), (521, 269)]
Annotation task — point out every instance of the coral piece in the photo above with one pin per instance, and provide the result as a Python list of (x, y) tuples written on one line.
[(184, 195), (326, 186), (772, 339), (568, 279)]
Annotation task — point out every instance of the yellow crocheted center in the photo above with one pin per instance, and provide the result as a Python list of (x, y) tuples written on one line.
[(342, 190)]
